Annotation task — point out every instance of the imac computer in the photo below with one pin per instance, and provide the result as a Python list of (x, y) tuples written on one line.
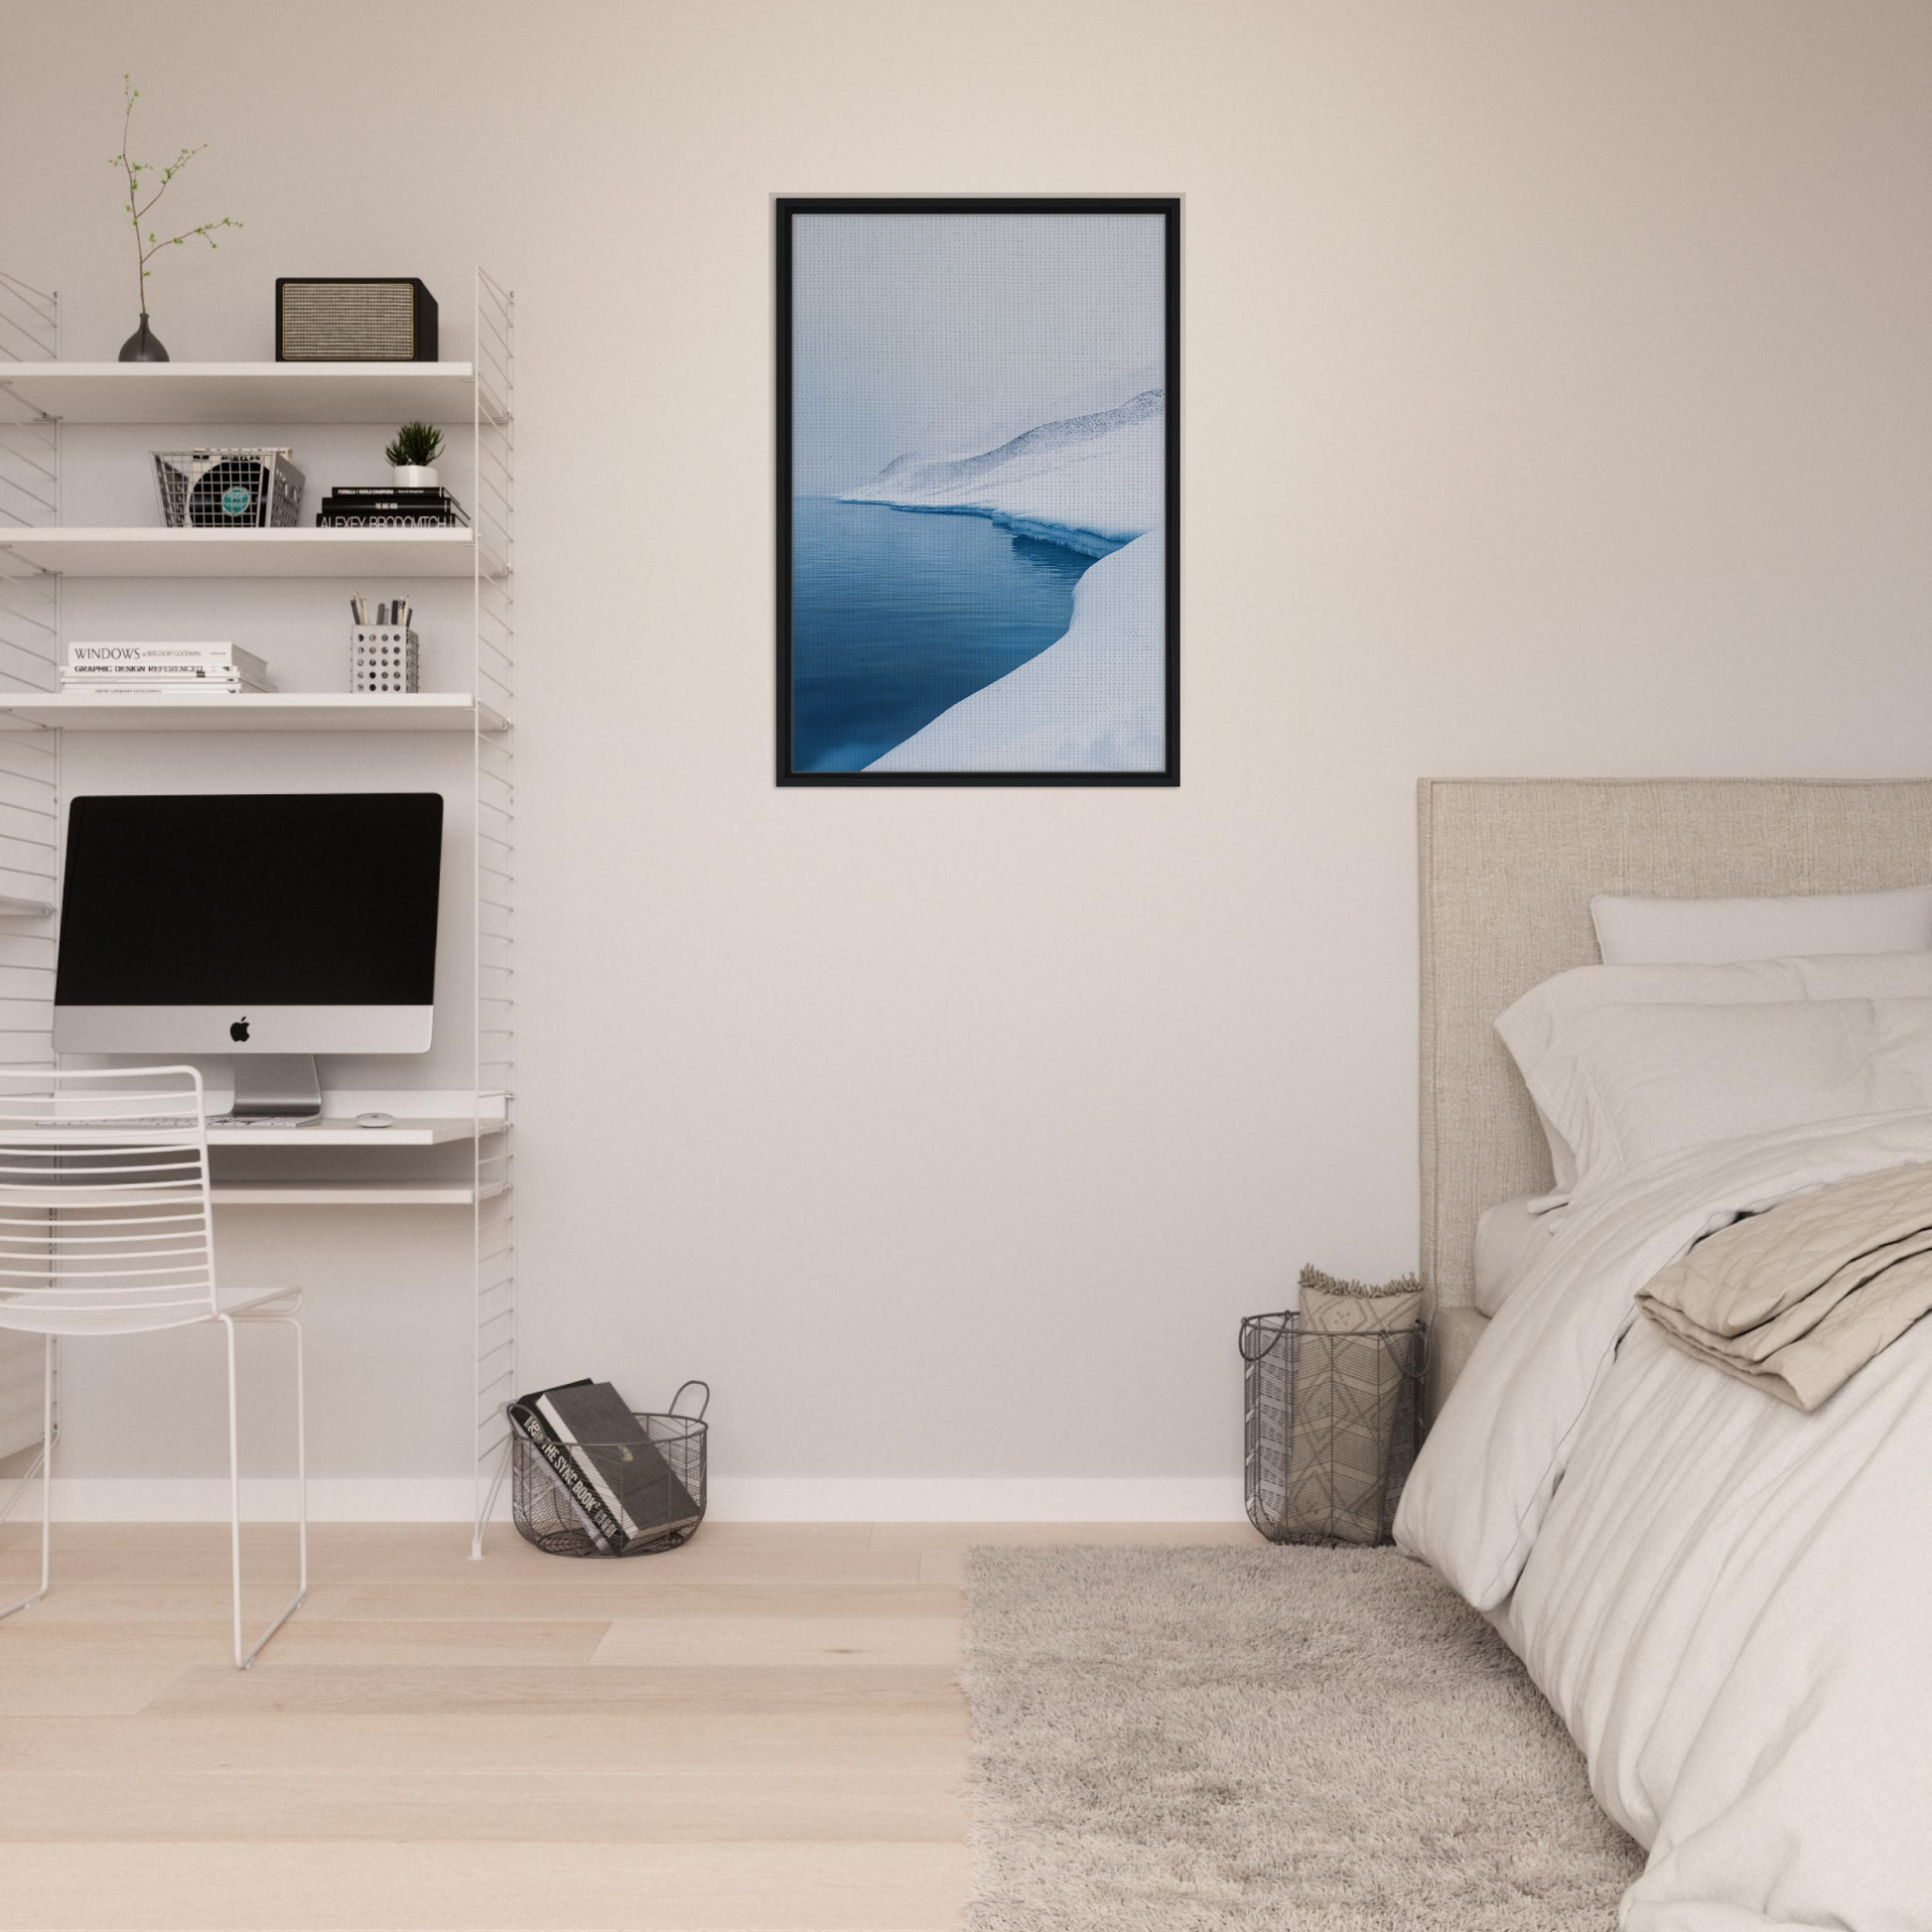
[(266, 926)]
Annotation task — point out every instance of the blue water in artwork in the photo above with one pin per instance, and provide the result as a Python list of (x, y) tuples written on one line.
[(898, 615)]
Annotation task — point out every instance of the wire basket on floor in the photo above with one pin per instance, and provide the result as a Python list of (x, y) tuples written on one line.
[(662, 1514), (1333, 1424)]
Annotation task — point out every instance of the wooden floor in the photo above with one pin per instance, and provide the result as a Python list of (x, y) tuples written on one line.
[(759, 1733)]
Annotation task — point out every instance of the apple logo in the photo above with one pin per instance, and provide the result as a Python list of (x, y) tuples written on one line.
[(240, 1031)]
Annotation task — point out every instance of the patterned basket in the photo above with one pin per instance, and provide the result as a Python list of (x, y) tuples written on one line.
[(1333, 1424)]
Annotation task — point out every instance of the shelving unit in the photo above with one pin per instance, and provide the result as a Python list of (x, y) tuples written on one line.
[(39, 393)]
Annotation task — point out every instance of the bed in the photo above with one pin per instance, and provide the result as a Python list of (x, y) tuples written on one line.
[(1728, 1602)]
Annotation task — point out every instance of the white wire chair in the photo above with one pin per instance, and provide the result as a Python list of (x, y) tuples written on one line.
[(106, 1229)]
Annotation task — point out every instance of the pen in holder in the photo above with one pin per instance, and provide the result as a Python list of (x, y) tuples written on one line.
[(382, 658)]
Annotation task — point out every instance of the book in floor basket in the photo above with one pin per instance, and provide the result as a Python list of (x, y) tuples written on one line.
[(616, 1478)]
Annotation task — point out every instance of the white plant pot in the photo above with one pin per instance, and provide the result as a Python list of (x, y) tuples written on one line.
[(413, 475)]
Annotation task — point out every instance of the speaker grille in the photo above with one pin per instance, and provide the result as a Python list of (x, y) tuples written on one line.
[(349, 321)]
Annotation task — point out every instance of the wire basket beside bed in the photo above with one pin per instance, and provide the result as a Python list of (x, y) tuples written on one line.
[(1332, 1425)]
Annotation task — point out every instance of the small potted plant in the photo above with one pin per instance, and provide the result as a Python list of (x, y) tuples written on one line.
[(412, 456)]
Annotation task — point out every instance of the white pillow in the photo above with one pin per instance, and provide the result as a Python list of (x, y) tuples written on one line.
[(1627, 1083), (1713, 931), (1530, 1028)]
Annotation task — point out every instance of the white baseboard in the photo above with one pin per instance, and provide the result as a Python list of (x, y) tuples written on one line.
[(734, 1499), (977, 1499)]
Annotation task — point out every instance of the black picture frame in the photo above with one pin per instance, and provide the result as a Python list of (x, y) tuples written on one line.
[(787, 208)]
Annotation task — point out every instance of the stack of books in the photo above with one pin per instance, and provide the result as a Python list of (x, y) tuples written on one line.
[(200, 668), (382, 507), (616, 1481)]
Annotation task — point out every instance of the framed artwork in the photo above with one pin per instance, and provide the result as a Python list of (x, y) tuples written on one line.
[(978, 492)]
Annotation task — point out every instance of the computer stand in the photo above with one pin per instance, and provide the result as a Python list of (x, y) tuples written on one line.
[(276, 1086)]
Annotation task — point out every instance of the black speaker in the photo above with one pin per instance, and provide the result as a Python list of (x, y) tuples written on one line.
[(354, 319)]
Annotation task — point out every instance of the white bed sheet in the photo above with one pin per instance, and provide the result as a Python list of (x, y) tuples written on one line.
[(1510, 1241), (1729, 1603)]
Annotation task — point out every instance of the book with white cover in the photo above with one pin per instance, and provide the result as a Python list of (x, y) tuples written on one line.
[(124, 686), (168, 668), (160, 670), (205, 687), (141, 660)]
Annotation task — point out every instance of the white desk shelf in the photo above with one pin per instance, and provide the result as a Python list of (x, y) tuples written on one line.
[(104, 552), (383, 393), (438, 1131), (46, 561), (258, 711), (351, 1194)]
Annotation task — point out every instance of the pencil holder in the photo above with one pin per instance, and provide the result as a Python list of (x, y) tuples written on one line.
[(382, 658)]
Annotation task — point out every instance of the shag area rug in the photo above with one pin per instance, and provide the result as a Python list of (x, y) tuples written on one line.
[(1301, 1740)]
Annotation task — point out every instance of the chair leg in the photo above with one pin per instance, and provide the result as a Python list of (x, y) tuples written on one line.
[(243, 1659), (47, 1482)]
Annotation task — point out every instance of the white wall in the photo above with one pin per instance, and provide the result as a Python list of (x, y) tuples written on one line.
[(1558, 400)]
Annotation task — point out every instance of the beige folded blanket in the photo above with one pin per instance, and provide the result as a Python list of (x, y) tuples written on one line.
[(1797, 1300)]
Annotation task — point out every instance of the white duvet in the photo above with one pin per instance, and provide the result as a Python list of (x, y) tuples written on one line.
[(1729, 1602)]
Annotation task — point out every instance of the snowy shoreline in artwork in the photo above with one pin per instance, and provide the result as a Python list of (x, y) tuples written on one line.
[(1092, 481)]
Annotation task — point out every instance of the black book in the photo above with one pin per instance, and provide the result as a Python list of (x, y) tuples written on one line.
[(370, 517), (415, 493), (526, 1418), (366, 506), (633, 1482)]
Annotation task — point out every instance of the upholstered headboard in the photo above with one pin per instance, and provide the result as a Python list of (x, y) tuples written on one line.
[(1507, 869)]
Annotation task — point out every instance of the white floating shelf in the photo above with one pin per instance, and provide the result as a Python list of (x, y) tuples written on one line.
[(243, 392), (345, 1133), (391, 554), (348, 1194), (257, 710)]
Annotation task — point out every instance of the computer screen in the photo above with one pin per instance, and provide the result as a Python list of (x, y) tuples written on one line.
[(278, 922)]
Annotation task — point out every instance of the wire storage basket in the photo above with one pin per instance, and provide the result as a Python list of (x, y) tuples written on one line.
[(228, 489), (1333, 1423), (652, 1490)]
